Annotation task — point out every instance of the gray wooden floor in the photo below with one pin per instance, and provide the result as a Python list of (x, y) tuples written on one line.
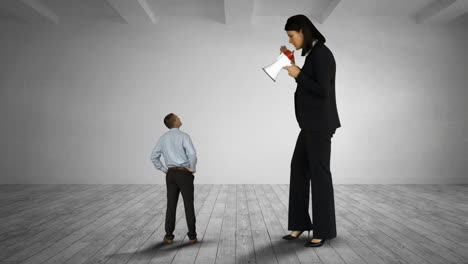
[(235, 224)]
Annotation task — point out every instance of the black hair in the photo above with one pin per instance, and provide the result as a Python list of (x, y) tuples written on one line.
[(302, 23)]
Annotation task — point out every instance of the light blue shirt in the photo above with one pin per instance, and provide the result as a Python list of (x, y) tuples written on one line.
[(177, 149)]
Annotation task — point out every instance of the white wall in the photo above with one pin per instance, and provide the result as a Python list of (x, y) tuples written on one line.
[(84, 103)]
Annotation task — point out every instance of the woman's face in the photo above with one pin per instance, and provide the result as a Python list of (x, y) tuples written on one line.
[(296, 38)]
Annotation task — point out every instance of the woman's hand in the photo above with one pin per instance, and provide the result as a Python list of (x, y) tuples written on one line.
[(293, 70), (283, 49)]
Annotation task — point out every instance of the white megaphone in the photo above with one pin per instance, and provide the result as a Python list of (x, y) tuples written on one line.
[(283, 60)]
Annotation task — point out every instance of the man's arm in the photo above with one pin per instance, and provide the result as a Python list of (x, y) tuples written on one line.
[(155, 158), (190, 152)]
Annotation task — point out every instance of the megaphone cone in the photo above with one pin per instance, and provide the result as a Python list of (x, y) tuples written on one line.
[(283, 60)]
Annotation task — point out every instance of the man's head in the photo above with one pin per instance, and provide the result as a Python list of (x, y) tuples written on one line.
[(172, 121)]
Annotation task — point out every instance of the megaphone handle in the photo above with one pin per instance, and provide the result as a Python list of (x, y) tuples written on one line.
[(289, 54)]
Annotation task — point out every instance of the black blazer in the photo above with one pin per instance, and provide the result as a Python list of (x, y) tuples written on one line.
[(314, 99)]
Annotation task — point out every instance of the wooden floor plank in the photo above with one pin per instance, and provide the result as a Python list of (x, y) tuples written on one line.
[(406, 220), (46, 220), (245, 253), (118, 226), (208, 249), (264, 251), (226, 253), (284, 250), (81, 229), (188, 254), (63, 226), (399, 233)]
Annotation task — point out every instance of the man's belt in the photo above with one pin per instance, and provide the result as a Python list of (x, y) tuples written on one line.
[(178, 168)]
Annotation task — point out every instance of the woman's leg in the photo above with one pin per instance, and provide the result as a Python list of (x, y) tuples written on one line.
[(323, 204), (299, 187)]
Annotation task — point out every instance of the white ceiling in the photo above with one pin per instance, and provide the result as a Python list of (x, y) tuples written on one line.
[(384, 7), (187, 7), (286, 8), (224, 11), (85, 9)]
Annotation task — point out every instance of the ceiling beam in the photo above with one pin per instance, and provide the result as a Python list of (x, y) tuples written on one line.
[(33, 11), (238, 11), (332, 4), (441, 11), (135, 12)]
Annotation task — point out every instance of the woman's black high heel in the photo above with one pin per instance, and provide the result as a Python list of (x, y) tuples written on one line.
[(318, 244), (289, 237)]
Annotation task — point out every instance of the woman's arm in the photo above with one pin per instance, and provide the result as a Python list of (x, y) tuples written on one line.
[(322, 64)]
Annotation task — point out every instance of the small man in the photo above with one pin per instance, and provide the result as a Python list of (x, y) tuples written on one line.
[(181, 158)]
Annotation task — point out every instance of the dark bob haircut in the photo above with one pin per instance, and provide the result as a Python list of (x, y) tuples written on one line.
[(310, 32)]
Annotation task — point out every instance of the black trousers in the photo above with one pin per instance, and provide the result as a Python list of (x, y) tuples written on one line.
[(180, 181), (311, 165)]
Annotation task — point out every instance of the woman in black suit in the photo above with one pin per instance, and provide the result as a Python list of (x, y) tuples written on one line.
[(317, 115)]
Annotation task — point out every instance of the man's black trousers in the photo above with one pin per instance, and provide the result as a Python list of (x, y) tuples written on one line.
[(311, 165), (180, 181)]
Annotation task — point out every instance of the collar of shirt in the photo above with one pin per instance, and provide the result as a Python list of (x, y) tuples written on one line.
[(313, 44), (174, 128)]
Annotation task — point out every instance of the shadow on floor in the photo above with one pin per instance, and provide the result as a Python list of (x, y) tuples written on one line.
[(277, 250), (158, 248)]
